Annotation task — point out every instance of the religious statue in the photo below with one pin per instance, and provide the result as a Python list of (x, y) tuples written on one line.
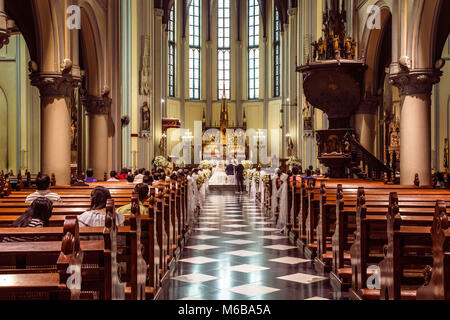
[(336, 47), (353, 49), (146, 68), (322, 45), (395, 138), (348, 48), (145, 119), (315, 46), (307, 118)]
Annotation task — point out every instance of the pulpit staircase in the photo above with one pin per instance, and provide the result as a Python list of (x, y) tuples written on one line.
[(364, 164)]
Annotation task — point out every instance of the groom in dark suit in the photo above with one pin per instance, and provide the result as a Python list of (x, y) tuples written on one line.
[(230, 170), (240, 177)]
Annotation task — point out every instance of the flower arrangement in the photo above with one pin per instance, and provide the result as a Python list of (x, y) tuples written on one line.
[(248, 164), (207, 173), (201, 179), (160, 162), (248, 174), (266, 180), (294, 162), (205, 164)]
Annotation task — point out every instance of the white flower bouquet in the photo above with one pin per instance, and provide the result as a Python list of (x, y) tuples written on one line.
[(160, 162), (205, 164), (294, 162)]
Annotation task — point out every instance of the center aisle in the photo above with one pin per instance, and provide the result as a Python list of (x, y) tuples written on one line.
[(235, 253)]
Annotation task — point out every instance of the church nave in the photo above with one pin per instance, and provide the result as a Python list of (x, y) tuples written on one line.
[(236, 253)]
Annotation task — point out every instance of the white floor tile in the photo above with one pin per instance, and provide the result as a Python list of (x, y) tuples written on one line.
[(202, 247), (198, 260), (239, 241), (247, 268), (237, 233), (204, 237), (274, 237), (280, 247), (206, 229), (290, 260), (302, 278), (317, 298), (253, 290), (243, 253), (195, 278), (235, 226)]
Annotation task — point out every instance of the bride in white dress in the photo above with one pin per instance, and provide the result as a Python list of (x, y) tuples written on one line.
[(218, 177)]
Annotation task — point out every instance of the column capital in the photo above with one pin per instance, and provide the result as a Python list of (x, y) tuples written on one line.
[(54, 84), (159, 12), (415, 81), (292, 11), (5, 26), (97, 105)]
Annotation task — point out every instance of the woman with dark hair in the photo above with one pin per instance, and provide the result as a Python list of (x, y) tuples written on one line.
[(95, 217), (36, 216)]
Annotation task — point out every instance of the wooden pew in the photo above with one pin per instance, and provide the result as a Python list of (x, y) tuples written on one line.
[(371, 239), (136, 270), (437, 278), (47, 285), (377, 204)]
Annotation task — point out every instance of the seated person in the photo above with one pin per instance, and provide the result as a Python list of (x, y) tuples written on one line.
[(113, 178), (123, 174), (143, 190), (95, 217), (36, 216), (130, 178), (148, 180), (42, 186), (138, 178), (90, 176)]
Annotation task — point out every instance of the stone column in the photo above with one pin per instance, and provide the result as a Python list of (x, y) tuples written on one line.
[(293, 129), (55, 89), (238, 82), (284, 89), (98, 110), (157, 83), (415, 89), (365, 122)]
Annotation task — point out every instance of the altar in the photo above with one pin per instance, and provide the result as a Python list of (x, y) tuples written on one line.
[(224, 142)]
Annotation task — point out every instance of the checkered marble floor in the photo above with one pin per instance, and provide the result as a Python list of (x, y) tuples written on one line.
[(236, 253)]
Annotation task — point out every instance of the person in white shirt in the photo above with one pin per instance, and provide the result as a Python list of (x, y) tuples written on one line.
[(42, 186), (139, 177), (113, 176), (95, 217)]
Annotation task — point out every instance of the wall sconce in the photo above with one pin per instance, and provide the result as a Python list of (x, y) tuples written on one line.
[(125, 120)]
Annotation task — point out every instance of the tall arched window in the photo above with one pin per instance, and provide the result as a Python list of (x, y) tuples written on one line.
[(172, 52), (277, 54), (253, 49), (194, 50), (223, 48)]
